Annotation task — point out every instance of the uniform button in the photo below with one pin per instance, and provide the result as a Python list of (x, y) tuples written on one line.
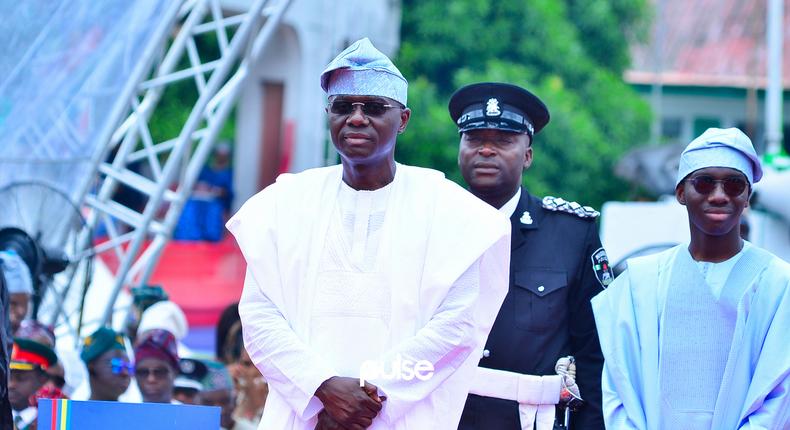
[(486, 353), (541, 288)]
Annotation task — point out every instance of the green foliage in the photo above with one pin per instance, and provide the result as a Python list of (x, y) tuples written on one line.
[(430, 139), (571, 53), (177, 101)]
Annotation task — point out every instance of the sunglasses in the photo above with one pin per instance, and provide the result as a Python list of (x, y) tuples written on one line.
[(733, 187), (118, 365), (342, 107), (158, 372)]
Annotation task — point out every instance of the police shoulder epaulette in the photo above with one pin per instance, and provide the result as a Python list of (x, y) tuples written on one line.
[(561, 205)]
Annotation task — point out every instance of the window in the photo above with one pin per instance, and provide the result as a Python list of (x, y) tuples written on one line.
[(671, 129), (701, 124)]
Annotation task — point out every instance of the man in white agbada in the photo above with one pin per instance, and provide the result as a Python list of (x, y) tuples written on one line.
[(696, 337), (356, 268)]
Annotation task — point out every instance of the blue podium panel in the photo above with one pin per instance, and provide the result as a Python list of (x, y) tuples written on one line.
[(75, 415)]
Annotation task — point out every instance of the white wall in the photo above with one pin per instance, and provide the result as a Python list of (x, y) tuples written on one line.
[(627, 227), (277, 63)]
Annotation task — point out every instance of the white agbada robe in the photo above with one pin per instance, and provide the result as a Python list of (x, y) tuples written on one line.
[(656, 376), (416, 270)]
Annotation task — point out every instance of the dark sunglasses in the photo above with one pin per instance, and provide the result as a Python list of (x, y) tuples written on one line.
[(118, 365), (159, 372), (733, 187), (342, 107)]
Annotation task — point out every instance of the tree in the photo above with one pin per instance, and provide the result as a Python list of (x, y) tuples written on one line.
[(571, 53)]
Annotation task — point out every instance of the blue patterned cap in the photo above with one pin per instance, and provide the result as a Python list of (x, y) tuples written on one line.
[(363, 70), (718, 147)]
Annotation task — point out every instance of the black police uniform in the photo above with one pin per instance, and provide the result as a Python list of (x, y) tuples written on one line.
[(546, 313), (557, 265)]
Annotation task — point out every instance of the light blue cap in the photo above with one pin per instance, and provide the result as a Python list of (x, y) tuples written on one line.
[(17, 274), (717, 147), (363, 70)]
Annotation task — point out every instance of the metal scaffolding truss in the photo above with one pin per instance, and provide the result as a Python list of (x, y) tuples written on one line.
[(137, 236)]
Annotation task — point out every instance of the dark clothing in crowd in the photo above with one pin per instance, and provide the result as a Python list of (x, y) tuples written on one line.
[(204, 214), (221, 178), (5, 339)]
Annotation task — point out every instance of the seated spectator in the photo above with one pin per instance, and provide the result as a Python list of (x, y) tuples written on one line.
[(166, 315), (156, 366), (19, 283), (33, 330), (109, 368), (217, 177), (218, 391), (228, 341), (251, 388), (187, 386), (205, 213), (143, 297), (29, 362)]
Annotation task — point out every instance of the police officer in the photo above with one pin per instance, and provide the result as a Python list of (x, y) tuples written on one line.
[(557, 265), (187, 385)]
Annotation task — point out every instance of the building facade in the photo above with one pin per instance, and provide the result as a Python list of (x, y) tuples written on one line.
[(704, 65)]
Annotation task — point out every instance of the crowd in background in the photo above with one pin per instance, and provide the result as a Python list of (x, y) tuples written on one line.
[(146, 361)]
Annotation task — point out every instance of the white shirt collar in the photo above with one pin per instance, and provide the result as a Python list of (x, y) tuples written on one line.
[(510, 207), (28, 415)]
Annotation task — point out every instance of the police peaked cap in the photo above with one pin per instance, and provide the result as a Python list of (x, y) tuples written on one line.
[(190, 374), (498, 106), (192, 368)]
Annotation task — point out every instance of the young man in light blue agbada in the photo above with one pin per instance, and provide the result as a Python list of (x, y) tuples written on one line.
[(368, 270), (696, 337)]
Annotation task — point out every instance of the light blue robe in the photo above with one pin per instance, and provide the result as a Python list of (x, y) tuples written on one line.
[(755, 387)]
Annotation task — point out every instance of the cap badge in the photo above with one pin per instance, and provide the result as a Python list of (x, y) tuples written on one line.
[(492, 107), (526, 218)]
